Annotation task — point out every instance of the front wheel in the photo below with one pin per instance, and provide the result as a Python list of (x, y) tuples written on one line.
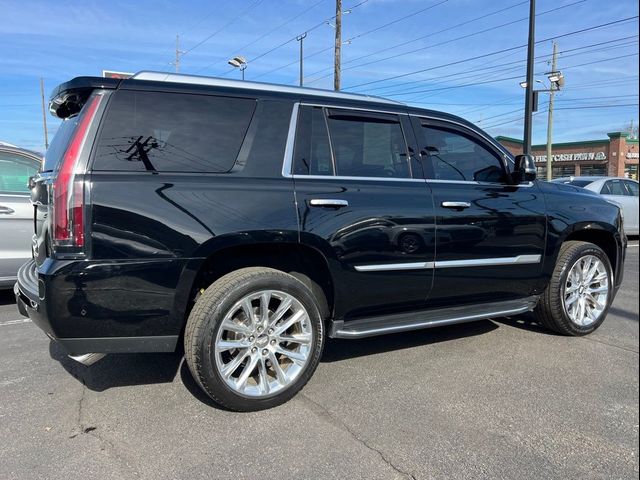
[(580, 292), (254, 338)]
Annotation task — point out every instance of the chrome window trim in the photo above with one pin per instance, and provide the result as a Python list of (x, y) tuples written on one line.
[(480, 262), (360, 109), (287, 164)]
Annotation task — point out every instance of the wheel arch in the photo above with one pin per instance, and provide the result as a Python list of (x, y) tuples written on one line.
[(604, 236), (302, 261)]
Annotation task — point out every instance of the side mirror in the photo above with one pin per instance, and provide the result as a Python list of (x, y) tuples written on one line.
[(525, 169)]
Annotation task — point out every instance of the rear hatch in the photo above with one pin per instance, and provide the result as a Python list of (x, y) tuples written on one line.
[(60, 191)]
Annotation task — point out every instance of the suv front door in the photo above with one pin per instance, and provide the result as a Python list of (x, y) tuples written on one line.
[(490, 234), (362, 200)]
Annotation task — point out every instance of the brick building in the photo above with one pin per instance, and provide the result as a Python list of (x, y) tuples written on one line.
[(616, 157)]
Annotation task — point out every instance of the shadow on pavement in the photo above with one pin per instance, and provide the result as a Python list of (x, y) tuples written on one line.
[(120, 370), (7, 297), (624, 313), (526, 321)]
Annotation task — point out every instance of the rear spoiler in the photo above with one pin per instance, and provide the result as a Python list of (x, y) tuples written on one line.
[(68, 98)]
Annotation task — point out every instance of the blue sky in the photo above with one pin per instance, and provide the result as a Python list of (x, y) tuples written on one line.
[(58, 40)]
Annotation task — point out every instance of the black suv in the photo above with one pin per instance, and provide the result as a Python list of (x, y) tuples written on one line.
[(251, 221)]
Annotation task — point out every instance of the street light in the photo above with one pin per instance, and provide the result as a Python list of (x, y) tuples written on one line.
[(239, 62), (556, 82)]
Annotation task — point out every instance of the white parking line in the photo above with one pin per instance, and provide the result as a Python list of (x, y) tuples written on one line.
[(15, 322)]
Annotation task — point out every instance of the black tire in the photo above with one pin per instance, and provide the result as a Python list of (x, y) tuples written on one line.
[(550, 311), (206, 318)]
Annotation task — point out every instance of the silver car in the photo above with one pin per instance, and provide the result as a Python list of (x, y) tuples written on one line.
[(622, 191), (16, 211)]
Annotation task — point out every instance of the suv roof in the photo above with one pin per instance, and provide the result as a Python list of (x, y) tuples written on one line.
[(258, 86)]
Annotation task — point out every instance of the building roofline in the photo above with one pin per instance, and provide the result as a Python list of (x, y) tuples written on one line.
[(257, 86), (563, 144)]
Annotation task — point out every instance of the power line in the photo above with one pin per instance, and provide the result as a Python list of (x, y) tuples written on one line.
[(540, 58), (252, 5), (472, 84), (380, 27), (479, 32), (598, 106), (292, 39), (477, 57), (264, 35), (424, 36)]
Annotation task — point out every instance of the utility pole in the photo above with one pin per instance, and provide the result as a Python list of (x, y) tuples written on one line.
[(528, 104), (552, 92), (44, 115), (336, 62), (301, 38), (178, 53)]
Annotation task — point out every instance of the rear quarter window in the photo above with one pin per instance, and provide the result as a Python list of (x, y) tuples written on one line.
[(172, 132)]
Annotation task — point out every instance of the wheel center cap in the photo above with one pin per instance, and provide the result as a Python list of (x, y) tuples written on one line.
[(581, 289), (262, 341)]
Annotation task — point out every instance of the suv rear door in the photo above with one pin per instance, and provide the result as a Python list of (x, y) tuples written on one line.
[(491, 234), (362, 200)]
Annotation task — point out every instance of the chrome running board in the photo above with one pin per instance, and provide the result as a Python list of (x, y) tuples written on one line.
[(401, 322), (88, 358)]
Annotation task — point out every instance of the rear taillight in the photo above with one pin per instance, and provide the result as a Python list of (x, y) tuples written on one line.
[(68, 192)]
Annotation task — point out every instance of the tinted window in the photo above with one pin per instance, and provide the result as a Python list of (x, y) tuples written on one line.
[(455, 155), (15, 171), (367, 145), (172, 132), (59, 143), (632, 187), (312, 154), (613, 187)]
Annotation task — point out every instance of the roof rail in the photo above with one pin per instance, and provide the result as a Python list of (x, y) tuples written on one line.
[(267, 87)]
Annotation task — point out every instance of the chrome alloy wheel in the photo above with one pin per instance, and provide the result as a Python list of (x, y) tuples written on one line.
[(586, 291), (264, 343)]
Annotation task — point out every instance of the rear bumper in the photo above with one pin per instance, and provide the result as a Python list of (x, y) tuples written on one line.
[(50, 309)]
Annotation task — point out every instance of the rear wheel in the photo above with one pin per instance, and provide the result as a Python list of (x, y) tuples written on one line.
[(579, 294), (254, 338)]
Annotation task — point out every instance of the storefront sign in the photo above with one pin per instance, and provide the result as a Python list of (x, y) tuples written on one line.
[(633, 155), (572, 157)]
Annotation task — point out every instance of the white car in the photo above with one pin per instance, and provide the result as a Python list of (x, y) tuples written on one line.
[(16, 210), (622, 191)]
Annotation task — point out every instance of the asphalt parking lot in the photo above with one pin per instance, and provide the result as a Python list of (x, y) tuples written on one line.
[(492, 399)]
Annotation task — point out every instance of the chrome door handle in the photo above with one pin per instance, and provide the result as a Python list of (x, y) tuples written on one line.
[(6, 210), (328, 202), (459, 205)]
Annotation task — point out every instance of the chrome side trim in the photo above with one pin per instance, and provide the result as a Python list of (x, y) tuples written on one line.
[(482, 262), (486, 262), (383, 267)]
